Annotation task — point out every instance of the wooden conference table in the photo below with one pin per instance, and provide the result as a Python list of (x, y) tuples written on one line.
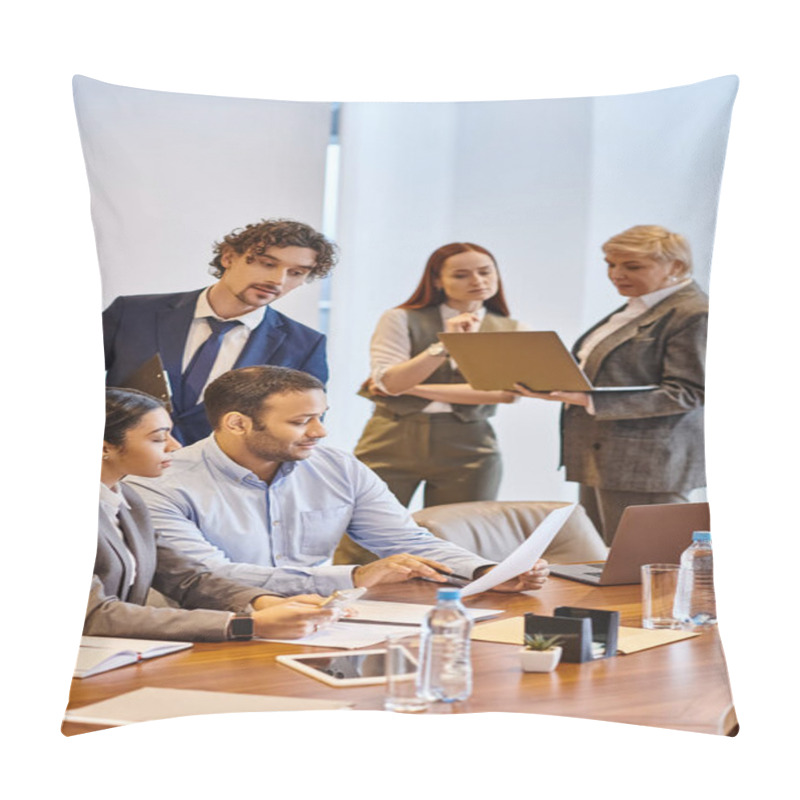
[(683, 685)]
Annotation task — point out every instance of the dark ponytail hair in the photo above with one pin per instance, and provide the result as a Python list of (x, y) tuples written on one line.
[(124, 409)]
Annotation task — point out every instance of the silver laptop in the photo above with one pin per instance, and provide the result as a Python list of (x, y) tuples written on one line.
[(538, 360), (656, 534)]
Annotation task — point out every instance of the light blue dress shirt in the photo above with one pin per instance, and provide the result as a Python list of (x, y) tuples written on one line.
[(282, 535)]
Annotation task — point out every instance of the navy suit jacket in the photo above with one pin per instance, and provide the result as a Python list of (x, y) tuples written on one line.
[(137, 327)]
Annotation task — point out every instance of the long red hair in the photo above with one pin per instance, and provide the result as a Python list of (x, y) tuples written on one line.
[(426, 294)]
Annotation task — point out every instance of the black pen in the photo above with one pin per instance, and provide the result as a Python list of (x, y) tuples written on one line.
[(451, 576)]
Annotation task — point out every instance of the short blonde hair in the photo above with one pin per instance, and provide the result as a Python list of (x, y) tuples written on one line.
[(653, 241)]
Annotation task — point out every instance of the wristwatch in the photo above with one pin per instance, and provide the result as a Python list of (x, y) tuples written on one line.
[(437, 349), (241, 627)]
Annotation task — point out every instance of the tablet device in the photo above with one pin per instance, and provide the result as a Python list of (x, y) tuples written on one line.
[(356, 668)]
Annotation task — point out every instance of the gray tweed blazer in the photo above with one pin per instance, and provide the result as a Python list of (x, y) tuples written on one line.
[(644, 441)]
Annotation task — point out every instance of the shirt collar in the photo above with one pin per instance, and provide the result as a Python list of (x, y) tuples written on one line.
[(236, 471), (112, 499), (647, 301), (251, 320), (448, 312)]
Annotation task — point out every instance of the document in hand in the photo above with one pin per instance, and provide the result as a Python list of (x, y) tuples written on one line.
[(102, 653), (525, 556), (538, 360)]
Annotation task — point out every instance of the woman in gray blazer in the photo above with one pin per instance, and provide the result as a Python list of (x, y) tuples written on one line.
[(642, 446), (130, 559)]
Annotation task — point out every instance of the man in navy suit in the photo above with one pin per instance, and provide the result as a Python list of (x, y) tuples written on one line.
[(204, 333)]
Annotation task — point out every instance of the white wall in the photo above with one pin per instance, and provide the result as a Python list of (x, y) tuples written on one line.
[(396, 173), (172, 173), (656, 159)]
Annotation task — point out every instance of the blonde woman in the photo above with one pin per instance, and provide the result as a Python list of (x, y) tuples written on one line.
[(645, 446)]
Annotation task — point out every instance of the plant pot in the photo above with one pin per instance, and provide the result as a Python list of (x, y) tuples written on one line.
[(539, 660)]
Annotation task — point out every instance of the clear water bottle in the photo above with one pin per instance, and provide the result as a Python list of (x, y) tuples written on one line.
[(445, 669), (695, 605)]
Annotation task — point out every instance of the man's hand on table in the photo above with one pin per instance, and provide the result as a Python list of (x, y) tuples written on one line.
[(399, 568)]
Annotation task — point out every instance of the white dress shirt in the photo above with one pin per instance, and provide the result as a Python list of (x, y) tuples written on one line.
[(391, 344), (635, 307), (232, 343), (111, 501)]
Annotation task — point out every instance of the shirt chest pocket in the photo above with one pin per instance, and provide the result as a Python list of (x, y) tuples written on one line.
[(321, 529)]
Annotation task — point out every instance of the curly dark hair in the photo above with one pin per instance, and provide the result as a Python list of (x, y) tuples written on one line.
[(257, 237)]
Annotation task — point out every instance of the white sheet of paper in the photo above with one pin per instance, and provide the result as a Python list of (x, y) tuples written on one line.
[(525, 556), (384, 619), (350, 635)]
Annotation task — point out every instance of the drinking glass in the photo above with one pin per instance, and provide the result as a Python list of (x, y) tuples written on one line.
[(659, 582), (402, 660)]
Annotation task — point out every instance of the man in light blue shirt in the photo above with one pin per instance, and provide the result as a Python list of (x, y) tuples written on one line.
[(262, 502)]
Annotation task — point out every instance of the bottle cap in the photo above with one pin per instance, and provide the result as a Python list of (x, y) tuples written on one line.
[(448, 594), (701, 536)]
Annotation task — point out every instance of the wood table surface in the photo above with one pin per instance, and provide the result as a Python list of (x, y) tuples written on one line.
[(683, 685)]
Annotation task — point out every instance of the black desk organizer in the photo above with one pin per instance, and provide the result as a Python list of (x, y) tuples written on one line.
[(583, 632)]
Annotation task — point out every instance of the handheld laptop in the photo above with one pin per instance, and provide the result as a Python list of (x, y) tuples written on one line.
[(539, 360)]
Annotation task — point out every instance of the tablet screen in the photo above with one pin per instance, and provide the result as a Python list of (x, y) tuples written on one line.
[(347, 668)]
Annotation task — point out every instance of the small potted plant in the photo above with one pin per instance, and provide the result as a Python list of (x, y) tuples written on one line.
[(541, 653)]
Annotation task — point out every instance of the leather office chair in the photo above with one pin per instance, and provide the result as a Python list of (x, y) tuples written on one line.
[(494, 528)]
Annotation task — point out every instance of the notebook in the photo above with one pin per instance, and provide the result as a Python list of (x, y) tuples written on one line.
[(656, 534), (538, 360)]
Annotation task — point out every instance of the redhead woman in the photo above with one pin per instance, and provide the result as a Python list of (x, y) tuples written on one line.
[(644, 446), (429, 425), (130, 560)]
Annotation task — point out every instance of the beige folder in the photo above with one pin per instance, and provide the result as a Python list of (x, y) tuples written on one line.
[(538, 360)]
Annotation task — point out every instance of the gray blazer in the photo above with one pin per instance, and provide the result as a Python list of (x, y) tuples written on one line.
[(644, 441), (117, 609)]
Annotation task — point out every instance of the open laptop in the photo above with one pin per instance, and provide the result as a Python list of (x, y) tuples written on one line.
[(538, 360), (656, 534)]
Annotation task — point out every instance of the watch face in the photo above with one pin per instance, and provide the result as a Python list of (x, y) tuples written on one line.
[(242, 628)]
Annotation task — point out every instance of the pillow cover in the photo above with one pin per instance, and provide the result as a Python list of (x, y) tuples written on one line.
[(542, 183)]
